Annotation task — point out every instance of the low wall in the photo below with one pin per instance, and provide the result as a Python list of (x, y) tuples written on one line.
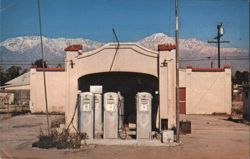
[(208, 90), (56, 90)]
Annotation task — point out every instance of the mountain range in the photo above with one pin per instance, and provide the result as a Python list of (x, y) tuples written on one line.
[(24, 50)]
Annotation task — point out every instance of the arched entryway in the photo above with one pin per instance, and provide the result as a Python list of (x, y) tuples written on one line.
[(128, 83)]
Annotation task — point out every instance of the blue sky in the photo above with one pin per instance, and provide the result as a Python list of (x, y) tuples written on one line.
[(132, 19)]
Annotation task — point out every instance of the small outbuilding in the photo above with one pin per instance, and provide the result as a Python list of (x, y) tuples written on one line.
[(17, 92), (21, 82)]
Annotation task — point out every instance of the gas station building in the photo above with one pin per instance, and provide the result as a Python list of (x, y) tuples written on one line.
[(129, 68)]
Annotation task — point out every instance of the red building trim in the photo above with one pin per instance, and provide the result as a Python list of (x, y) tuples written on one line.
[(199, 69), (166, 47), (73, 48), (50, 69), (33, 66)]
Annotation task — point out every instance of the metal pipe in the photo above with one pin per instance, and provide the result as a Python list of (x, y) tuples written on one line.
[(177, 70)]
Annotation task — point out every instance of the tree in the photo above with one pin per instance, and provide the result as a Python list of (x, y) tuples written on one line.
[(241, 77), (9, 74), (3, 77), (24, 71), (39, 63), (59, 66), (13, 72)]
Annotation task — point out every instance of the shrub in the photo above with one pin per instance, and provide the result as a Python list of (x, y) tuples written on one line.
[(59, 140)]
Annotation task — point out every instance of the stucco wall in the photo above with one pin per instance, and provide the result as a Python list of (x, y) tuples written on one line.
[(182, 79), (167, 87), (207, 92), (56, 91), (129, 57)]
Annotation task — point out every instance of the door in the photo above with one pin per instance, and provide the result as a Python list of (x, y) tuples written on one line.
[(182, 100)]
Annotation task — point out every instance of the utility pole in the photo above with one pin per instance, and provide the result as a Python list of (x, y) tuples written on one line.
[(177, 70), (44, 77), (220, 32)]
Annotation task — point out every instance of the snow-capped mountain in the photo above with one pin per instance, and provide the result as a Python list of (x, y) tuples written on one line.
[(28, 48), (192, 51), (199, 53), (22, 44)]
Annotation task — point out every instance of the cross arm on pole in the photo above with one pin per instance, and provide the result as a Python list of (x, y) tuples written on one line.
[(212, 41), (217, 41), (224, 41)]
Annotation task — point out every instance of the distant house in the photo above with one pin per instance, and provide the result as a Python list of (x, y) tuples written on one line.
[(18, 89), (19, 83), (31, 82), (246, 104)]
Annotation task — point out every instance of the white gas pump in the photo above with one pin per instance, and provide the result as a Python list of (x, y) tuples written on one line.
[(110, 115), (144, 121), (98, 113), (121, 110), (86, 114), (122, 133)]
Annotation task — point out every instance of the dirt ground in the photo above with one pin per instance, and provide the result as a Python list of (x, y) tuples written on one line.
[(212, 137)]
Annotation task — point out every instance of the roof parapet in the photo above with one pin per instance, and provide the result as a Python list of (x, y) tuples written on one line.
[(47, 69), (204, 69), (75, 47), (166, 47)]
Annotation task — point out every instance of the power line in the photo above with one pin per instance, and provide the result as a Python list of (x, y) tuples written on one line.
[(181, 59), (234, 46), (219, 0), (22, 64), (245, 59), (116, 50), (29, 61), (55, 61), (214, 57)]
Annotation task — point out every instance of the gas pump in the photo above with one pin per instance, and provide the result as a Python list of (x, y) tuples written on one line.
[(98, 113), (122, 133), (143, 121), (110, 115), (86, 114), (121, 110)]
